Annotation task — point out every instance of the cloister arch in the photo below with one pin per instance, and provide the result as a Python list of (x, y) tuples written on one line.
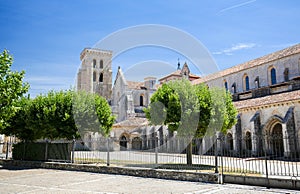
[(248, 140), (274, 140), (124, 140)]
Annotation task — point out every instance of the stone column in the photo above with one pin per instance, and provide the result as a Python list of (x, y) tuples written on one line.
[(237, 136), (254, 139)]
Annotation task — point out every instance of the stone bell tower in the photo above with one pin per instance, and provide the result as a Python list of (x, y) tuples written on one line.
[(95, 73)]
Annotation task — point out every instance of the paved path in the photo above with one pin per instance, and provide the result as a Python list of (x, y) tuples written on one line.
[(58, 181)]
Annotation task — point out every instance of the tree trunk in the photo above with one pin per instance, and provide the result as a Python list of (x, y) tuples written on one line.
[(189, 154)]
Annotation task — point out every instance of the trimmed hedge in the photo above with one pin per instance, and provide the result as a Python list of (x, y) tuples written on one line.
[(36, 151)]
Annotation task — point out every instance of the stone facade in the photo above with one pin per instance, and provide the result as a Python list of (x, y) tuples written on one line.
[(265, 92), (129, 98)]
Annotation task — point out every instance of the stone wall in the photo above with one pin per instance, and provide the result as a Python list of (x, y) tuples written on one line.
[(140, 172)]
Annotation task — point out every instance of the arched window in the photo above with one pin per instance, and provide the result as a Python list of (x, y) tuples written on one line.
[(226, 85), (141, 100), (94, 76), (233, 88), (101, 77), (246, 82), (101, 64), (273, 76), (286, 74), (94, 63), (256, 81)]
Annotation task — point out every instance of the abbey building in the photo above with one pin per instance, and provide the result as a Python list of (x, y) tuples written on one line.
[(266, 92)]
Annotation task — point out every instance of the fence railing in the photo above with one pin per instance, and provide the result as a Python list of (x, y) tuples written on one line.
[(260, 156)]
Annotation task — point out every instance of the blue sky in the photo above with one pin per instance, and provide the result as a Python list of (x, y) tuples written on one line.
[(46, 37)]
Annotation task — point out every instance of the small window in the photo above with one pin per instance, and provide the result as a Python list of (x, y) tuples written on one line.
[(233, 88), (141, 100), (286, 74), (256, 81), (246, 81), (94, 76), (94, 63), (273, 76), (101, 77), (101, 64), (226, 85)]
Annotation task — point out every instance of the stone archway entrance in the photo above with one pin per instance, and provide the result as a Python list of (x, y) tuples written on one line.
[(123, 143), (276, 142)]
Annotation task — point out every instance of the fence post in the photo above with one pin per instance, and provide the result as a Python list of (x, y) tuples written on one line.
[(216, 155), (267, 172), (7, 150), (222, 169), (24, 150), (73, 150), (108, 158), (156, 150), (46, 150)]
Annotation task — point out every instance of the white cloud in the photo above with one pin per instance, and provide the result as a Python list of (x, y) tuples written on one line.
[(236, 6), (236, 47)]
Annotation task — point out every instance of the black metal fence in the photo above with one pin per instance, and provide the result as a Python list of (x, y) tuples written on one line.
[(260, 156)]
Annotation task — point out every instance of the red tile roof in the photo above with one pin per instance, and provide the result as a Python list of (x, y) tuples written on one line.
[(267, 100)]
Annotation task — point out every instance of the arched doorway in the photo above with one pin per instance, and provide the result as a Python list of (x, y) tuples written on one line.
[(123, 143), (137, 143), (277, 147), (248, 141)]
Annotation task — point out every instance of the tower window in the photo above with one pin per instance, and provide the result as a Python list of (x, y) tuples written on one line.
[(94, 63), (101, 77), (101, 64), (94, 76), (141, 100)]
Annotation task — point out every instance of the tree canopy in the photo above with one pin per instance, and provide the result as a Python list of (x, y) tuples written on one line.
[(12, 88), (92, 113), (191, 110), (183, 104), (57, 115)]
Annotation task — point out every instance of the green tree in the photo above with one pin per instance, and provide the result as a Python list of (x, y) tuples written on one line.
[(53, 116), (11, 89), (192, 110), (92, 113)]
